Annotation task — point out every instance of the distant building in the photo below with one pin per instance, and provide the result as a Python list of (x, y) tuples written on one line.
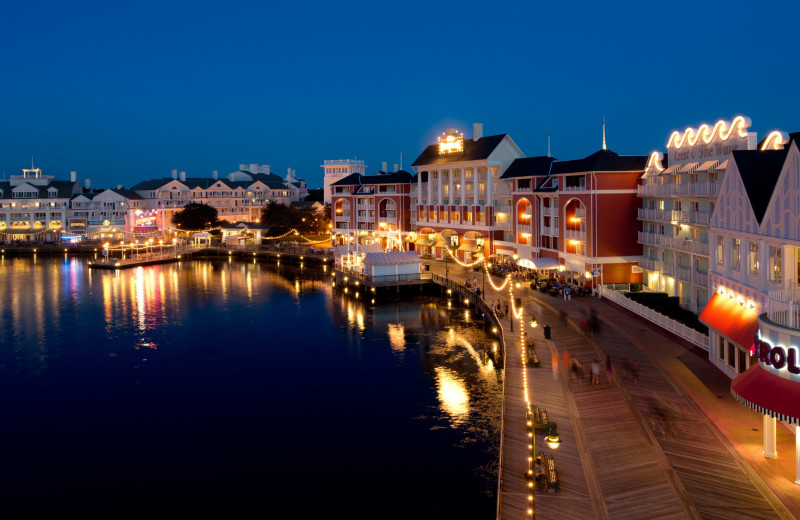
[(35, 207), (239, 197), (337, 169)]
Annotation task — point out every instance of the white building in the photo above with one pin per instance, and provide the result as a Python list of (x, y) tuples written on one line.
[(678, 194), (337, 169), (34, 206)]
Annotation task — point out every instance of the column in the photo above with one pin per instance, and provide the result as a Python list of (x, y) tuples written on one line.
[(489, 187), (770, 450), (419, 192), (475, 190), (463, 190), (450, 194), (439, 188), (797, 454)]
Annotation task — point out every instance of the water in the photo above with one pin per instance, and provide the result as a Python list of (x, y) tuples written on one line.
[(232, 387)]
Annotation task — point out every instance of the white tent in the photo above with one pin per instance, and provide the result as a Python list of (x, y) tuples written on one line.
[(395, 265)]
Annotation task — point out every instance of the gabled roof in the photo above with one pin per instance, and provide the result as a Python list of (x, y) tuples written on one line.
[(356, 179), (550, 184), (529, 167), (759, 172), (473, 151), (601, 161), (391, 258), (64, 189)]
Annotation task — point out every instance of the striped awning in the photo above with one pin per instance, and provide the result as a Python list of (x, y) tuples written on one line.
[(671, 169), (469, 247), (706, 166), (687, 167), (721, 166), (768, 393), (423, 242)]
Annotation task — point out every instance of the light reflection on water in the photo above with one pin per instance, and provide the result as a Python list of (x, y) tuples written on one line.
[(235, 354)]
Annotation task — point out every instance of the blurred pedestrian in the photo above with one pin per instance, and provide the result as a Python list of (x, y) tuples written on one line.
[(595, 374), (554, 362), (609, 369)]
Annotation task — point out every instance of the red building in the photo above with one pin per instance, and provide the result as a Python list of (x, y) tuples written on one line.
[(580, 213), (373, 208)]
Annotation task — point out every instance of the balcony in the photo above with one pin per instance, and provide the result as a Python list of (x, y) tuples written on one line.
[(701, 279), (580, 212), (648, 263), (502, 208), (503, 225), (549, 211), (684, 273), (575, 234), (783, 307)]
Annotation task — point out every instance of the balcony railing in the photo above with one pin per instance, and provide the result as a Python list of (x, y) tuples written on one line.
[(549, 211), (783, 307), (575, 234), (701, 279), (699, 189), (648, 263), (684, 273), (580, 212)]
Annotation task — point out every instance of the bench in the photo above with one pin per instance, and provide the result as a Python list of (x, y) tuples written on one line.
[(538, 417), (551, 473)]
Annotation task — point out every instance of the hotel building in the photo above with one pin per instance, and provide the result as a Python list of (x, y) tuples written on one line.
[(577, 215), (753, 314), (374, 208), (459, 200), (678, 195), (34, 206), (338, 169)]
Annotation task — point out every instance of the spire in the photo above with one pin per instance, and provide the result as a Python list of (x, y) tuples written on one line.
[(548, 143), (604, 133)]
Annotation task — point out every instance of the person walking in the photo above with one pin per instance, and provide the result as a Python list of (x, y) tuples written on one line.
[(505, 313), (595, 374), (609, 369), (567, 294), (554, 362)]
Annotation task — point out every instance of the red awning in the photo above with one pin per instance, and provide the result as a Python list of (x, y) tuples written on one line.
[(767, 393), (736, 322)]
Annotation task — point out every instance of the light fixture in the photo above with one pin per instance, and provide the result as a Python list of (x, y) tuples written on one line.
[(552, 439)]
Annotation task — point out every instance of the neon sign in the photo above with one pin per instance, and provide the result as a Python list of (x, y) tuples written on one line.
[(777, 356), (451, 142)]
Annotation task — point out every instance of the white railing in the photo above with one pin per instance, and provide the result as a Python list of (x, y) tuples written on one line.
[(580, 212), (648, 263), (549, 211), (701, 279), (575, 234), (684, 273), (783, 307), (679, 329)]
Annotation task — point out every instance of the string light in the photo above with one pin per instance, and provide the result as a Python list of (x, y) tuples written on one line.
[(691, 135)]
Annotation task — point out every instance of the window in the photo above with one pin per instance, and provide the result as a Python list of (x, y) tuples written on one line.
[(731, 355), (753, 258), (736, 253), (720, 250), (721, 347), (775, 264)]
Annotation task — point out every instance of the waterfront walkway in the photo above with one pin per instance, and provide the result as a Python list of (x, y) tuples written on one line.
[(619, 458)]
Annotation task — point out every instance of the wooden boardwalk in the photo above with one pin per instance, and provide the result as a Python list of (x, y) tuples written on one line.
[(618, 459)]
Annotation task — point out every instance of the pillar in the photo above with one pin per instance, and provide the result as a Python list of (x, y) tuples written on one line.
[(489, 188), (439, 188), (797, 454), (475, 190), (770, 450), (463, 190), (451, 197)]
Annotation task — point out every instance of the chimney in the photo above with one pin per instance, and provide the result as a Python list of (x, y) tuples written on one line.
[(120, 186), (174, 174), (477, 131), (384, 167), (88, 184), (243, 167), (73, 176), (265, 168), (253, 168), (215, 174), (183, 176), (395, 167)]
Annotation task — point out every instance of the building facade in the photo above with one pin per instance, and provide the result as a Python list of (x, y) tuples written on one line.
[(753, 314), (338, 169), (459, 201), (678, 195), (373, 208)]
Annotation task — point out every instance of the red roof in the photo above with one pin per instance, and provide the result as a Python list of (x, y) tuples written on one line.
[(736, 322), (768, 393)]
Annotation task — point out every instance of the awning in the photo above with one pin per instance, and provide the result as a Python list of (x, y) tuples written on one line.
[(409, 238), (768, 393), (469, 247), (706, 166), (687, 167), (670, 169), (576, 266), (736, 322), (721, 166), (423, 242), (540, 264)]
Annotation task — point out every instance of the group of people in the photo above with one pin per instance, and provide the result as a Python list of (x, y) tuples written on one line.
[(473, 285), (575, 368), (500, 308)]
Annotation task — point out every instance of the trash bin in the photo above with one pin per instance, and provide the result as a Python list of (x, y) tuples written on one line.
[(427, 267), (547, 332)]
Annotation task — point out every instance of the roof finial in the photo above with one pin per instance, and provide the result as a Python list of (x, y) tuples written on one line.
[(604, 133), (31, 162), (548, 143)]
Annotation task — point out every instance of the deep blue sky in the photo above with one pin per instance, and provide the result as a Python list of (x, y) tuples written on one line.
[(126, 92)]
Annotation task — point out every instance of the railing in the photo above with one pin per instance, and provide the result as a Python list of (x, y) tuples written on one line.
[(679, 329), (549, 211), (575, 234), (701, 279), (783, 307), (684, 273), (580, 212), (648, 263)]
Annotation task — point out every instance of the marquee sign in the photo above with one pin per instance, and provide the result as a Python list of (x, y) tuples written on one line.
[(776, 356), (146, 221), (707, 143), (451, 141)]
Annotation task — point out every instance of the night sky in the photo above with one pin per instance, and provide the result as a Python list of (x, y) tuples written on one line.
[(123, 92)]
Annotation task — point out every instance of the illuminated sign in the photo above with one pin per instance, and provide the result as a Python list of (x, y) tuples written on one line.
[(777, 356), (453, 240), (479, 242), (451, 141), (146, 221), (708, 143), (77, 224)]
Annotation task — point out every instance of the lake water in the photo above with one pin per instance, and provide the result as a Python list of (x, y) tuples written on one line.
[(240, 389)]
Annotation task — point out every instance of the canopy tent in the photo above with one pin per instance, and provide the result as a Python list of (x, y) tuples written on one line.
[(540, 264)]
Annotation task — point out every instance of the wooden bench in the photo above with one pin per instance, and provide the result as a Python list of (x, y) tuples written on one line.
[(538, 417), (551, 473)]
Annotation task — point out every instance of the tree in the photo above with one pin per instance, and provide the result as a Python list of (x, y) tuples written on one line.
[(195, 217), (279, 215)]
